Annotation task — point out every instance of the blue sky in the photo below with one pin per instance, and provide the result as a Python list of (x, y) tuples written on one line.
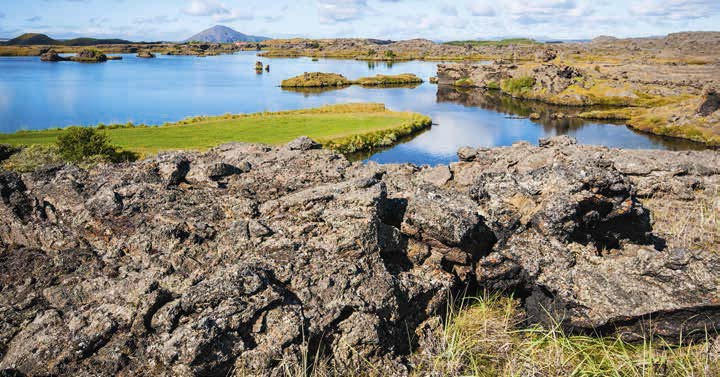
[(387, 19)]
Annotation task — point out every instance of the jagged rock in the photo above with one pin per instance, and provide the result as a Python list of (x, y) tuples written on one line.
[(7, 150), (303, 143), (221, 170), (173, 169), (546, 55), (151, 268), (711, 102), (466, 153), (557, 141)]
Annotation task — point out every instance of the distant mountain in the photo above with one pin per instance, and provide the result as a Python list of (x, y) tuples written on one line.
[(30, 39), (224, 34)]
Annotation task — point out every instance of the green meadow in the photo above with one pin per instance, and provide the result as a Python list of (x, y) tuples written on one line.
[(335, 125)]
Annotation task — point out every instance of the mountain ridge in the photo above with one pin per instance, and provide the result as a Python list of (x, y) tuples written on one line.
[(34, 39), (224, 34)]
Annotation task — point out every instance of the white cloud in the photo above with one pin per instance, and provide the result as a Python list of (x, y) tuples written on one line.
[(205, 8), (676, 9), (154, 20), (219, 11), (331, 11), (234, 15), (480, 9)]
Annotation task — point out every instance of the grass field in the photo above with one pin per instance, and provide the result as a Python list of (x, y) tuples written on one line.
[(328, 124)]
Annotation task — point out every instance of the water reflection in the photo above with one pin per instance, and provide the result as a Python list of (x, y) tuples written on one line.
[(568, 125)]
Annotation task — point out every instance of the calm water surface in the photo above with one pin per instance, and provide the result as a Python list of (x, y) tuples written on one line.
[(37, 95)]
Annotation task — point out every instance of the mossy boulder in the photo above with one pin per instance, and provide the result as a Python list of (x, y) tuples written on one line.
[(52, 56), (90, 56), (316, 80), (381, 80), (145, 55)]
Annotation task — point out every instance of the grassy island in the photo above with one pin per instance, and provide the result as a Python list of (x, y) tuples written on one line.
[(322, 80), (344, 128)]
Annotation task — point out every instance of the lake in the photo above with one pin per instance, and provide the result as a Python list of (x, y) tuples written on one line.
[(38, 95)]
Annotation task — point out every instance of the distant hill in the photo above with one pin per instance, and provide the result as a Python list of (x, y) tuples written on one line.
[(224, 34), (30, 39)]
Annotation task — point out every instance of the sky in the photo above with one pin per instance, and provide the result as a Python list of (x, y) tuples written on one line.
[(440, 20)]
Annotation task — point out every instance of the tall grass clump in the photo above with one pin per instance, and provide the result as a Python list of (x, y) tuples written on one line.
[(485, 337)]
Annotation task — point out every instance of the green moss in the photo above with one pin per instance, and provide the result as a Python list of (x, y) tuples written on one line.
[(466, 82), (517, 86), (492, 85), (379, 80)]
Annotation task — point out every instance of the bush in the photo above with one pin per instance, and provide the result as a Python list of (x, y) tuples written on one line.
[(390, 54), (77, 144)]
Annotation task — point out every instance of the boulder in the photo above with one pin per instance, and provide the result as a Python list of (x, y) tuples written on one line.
[(145, 54), (711, 102), (303, 143)]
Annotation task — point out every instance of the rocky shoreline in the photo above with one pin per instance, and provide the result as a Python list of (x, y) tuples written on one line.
[(665, 100), (248, 257)]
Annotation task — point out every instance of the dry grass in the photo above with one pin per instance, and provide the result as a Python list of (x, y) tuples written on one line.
[(484, 340), (689, 224)]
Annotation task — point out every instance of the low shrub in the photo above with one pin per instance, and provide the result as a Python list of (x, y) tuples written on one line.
[(77, 144)]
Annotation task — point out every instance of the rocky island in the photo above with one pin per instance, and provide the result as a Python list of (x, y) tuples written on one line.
[(323, 80)]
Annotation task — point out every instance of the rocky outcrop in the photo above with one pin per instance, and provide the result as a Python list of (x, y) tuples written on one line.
[(89, 56), (248, 257), (145, 55), (52, 56), (710, 103), (475, 75)]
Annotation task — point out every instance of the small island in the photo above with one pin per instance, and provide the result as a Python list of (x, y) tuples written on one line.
[(323, 80)]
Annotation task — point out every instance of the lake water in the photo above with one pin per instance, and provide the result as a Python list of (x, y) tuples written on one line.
[(37, 95)]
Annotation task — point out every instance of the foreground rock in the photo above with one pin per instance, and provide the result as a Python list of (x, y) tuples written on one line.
[(245, 258)]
